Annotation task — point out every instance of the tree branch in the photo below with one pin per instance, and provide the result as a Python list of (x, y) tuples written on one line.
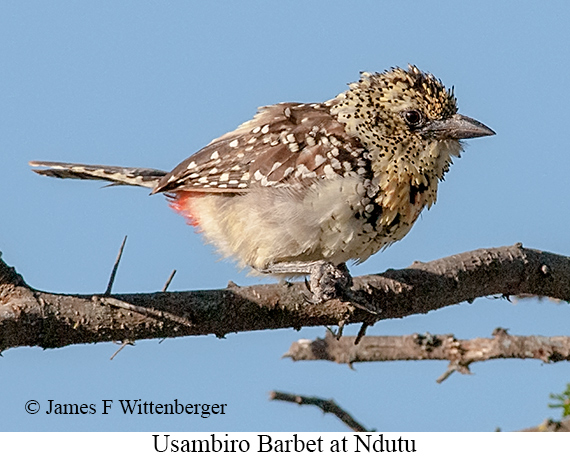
[(460, 353), (29, 317), (330, 406), (327, 406)]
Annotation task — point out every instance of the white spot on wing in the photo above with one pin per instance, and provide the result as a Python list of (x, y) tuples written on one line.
[(275, 166), (319, 160), (329, 172), (303, 172)]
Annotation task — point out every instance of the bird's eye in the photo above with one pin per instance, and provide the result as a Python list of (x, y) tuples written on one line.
[(413, 118)]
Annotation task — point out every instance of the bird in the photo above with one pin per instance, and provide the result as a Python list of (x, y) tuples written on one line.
[(303, 188)]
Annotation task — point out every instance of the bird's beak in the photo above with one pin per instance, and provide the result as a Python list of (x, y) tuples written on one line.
[(457, 127)]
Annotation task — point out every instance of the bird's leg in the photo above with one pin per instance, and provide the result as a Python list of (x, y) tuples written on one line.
[(326, 281)]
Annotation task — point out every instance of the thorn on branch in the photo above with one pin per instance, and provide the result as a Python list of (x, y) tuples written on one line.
[(361, 332), (149, 312), (8, 275), (500, 332), (451, 368), (168, 281), (338, 333), (232, 285), (125, 343), (115, 267)]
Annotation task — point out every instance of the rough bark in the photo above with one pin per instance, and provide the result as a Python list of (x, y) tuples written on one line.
[(30, 317), (460, 353)]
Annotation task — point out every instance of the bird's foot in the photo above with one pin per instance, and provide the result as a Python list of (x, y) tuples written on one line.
[(326, 281)]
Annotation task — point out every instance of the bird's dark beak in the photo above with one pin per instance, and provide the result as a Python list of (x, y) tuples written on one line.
[(457, 127)]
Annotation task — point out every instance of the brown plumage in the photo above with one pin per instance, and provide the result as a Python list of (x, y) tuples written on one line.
[(306, 184)]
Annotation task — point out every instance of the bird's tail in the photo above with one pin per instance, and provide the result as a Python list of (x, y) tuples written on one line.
[(143, 177)]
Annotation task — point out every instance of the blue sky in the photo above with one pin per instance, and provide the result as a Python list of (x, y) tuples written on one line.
[(148, 83)]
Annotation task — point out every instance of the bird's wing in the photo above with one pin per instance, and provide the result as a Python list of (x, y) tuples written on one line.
[(282, 145)]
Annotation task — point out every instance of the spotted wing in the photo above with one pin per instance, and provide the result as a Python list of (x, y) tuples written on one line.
[(282, 145)]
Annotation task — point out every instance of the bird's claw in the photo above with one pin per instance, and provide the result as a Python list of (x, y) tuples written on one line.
[(328, 281)]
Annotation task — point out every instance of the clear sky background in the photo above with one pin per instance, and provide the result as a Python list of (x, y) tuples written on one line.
[(147, 83)]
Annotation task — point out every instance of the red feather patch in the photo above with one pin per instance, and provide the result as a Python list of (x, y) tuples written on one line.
[(181, 202)]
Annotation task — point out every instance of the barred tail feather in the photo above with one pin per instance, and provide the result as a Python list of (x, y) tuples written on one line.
[(143, 177)]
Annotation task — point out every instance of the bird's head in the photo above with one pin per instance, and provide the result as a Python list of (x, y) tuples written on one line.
[(403, 108)]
